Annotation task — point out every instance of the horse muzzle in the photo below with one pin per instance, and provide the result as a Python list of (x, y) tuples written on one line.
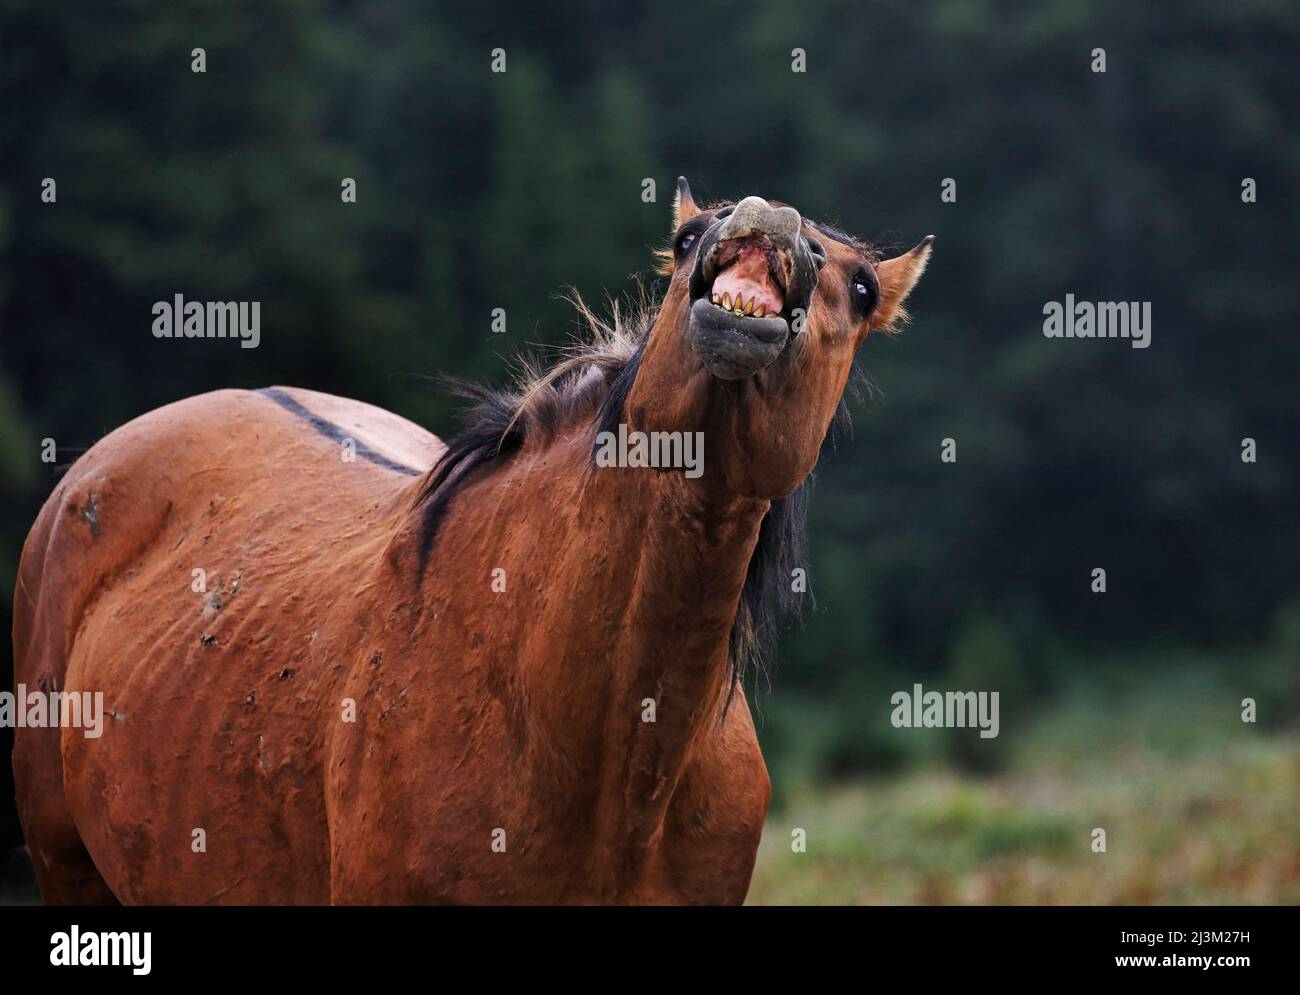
[(752, 284)]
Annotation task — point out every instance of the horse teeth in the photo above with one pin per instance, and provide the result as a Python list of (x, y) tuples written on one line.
[(739, 306)]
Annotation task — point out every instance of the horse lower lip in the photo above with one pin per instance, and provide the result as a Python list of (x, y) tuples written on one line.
[(733, 348)]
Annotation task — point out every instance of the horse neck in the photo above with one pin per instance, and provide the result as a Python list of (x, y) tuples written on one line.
[(651, 681), (625, 584)]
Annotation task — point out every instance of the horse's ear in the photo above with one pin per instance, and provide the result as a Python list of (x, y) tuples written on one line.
[(683, 204), (897, 278), (683, 210)]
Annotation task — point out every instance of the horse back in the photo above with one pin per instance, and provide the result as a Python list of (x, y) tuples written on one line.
[(184, 567), (183, 463)]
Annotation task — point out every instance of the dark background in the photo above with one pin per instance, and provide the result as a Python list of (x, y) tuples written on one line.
[(479, 190)]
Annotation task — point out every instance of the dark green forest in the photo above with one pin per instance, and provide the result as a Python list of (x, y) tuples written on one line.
[(478, 190)]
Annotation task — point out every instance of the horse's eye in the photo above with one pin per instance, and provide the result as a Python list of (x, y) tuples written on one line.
[(685, 242), (864, 293)]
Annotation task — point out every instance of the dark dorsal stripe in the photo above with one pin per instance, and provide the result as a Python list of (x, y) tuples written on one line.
[(333, 432)]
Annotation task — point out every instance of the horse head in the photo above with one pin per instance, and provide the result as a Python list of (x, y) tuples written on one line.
[(756, 335)]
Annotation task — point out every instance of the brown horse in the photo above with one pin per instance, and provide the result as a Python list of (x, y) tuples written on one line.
[(342, 662)]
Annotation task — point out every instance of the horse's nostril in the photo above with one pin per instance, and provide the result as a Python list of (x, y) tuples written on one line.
[(818, 251)]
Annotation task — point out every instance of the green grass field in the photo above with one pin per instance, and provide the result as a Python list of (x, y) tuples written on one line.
[(1213, 828)]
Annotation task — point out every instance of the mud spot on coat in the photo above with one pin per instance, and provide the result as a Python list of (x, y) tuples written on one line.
[(218, 597), (89, 513), (138, 845)]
